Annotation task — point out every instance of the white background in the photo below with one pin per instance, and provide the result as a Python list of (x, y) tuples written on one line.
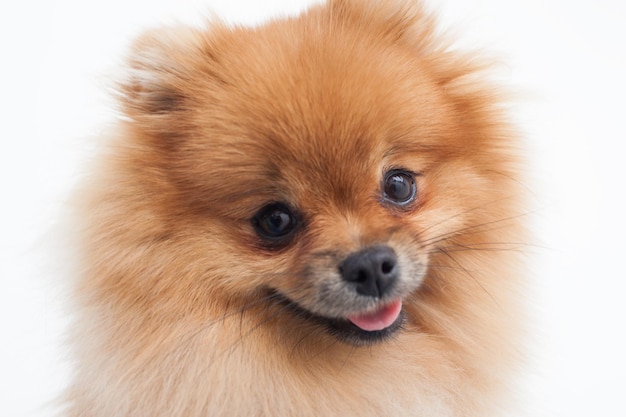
[(566, 58)]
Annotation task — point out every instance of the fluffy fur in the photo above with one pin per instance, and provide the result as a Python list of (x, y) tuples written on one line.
[(185, 309)]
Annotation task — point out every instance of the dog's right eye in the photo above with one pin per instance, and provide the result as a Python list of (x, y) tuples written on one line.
[(274, 222)]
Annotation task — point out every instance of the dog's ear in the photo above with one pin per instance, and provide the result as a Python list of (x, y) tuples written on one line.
[(408, 22), (156, 72), (403, 21)]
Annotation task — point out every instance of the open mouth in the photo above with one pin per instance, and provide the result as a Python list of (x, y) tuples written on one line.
[(358, 329)]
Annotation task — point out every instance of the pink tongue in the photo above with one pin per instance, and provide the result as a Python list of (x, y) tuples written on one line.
[(378, 320)]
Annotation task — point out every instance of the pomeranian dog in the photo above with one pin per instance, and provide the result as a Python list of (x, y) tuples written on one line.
[(313, 217)]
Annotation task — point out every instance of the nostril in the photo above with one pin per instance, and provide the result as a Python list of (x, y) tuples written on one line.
[(387, 267)]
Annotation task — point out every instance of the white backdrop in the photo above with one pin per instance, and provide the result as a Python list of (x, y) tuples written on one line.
[(566, 58)]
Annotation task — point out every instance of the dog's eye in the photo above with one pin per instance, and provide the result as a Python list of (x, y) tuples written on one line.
[(274, 222), (399, 187)]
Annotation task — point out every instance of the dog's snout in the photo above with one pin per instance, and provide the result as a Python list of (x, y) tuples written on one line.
[(373, 271)]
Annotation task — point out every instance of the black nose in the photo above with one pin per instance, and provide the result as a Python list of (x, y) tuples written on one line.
[(373, 270)]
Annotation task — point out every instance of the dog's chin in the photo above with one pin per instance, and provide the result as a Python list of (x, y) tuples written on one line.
[(342, 329)]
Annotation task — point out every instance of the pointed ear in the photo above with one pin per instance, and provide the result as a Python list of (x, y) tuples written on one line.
[(407, 22), (403, 21), (158, 68)]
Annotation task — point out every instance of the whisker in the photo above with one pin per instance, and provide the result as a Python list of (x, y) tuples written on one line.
[(298, 343), (508, 176), (231, 349), (449, 267), (326, 348), (189, 338), (476, 228), (461, 213), (487, 247), (345, 361), (255, 327), (469, 274)]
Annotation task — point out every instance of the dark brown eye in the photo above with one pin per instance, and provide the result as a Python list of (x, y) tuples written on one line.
[(399, 187), (274, 222)]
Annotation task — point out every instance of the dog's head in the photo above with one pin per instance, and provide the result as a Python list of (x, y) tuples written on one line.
[(325, 164)]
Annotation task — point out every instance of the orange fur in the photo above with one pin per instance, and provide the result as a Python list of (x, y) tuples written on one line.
[(173, 318)]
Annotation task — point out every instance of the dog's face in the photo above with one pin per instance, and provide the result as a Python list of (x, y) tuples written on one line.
[(317, 171)]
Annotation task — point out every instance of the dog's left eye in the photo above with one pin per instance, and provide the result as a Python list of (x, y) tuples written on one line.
[(399, 187), (274, 222)]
